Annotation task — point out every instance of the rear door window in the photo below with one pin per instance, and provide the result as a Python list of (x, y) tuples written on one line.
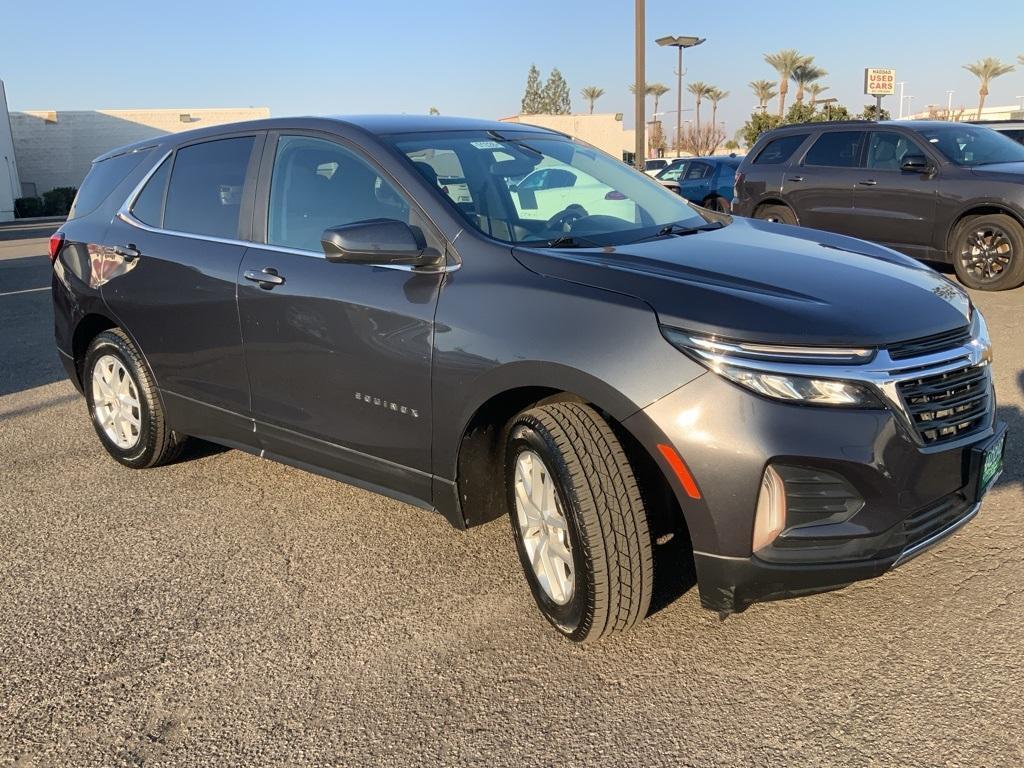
[(836, 149), (102, 179), (204, 196), (698, 171), (778, 151)]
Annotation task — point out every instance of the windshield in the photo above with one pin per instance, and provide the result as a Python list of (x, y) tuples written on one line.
[(973, 145), (543, 189)]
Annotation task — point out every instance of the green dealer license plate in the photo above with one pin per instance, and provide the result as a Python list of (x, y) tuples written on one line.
[(991, 463)]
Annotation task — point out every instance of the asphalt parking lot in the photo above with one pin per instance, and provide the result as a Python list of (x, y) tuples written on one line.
[(230, 611)]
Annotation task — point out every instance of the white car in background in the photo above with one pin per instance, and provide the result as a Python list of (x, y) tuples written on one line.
[(547, 191)]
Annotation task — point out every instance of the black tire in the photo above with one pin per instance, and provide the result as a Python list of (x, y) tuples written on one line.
[(718, 204), (607, 526), (780, 213), (155, 442), (988, 252)]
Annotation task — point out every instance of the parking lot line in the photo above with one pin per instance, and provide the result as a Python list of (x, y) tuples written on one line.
[(27, 290)]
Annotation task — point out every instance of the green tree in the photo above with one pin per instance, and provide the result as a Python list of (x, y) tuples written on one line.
[(784, 62), (591, 94), (716, 95), (434, 111), (556, 95), (871, 113), (986, 70), (758, 123), (764, 90), (804, 75), (700, 90), (533, 98)]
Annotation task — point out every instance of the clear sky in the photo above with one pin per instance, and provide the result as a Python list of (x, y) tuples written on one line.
[(471, 58)]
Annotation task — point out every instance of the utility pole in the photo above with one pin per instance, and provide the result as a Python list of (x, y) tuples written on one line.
[(949, 103), (640, 80), (679, 42), (901, 97)]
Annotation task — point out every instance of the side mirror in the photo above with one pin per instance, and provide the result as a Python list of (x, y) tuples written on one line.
[(377, 241), (915, 164)]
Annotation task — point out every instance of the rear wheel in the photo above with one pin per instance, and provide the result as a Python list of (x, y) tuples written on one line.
[(988, 252), (719, 204), (123, 404), (578, 520), (782, 214)]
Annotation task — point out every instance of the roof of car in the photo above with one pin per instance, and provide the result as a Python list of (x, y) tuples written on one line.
[(374, 124)]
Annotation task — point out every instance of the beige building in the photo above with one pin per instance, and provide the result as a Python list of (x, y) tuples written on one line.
[(55, 149), (10, 187), (935, 112), (604, 131)]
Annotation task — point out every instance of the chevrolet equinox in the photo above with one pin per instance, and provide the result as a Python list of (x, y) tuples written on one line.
[(804, 409)]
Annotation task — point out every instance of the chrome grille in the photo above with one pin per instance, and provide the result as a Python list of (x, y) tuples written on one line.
[(948, 405), (929, 344)]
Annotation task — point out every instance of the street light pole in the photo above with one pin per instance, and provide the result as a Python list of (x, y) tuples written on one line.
[(680, 42), (640, 79), (901, 99)]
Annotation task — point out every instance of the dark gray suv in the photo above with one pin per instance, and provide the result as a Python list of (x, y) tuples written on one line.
[(617, 376), (940, 191)]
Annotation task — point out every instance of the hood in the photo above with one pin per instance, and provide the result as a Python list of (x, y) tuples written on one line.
[(766, 282), (1003, 171)]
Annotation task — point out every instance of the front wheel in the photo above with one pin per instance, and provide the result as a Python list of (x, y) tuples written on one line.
[(578, 520), (988, 252)]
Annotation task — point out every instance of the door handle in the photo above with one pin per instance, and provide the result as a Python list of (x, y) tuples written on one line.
[(267, 279), (796, 178), (128, 252), (869, 183)]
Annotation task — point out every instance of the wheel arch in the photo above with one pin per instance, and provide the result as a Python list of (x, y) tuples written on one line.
[(87, 329)]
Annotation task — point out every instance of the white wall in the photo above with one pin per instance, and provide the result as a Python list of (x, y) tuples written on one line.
[(601, 130), (55, 149), (10, 187)]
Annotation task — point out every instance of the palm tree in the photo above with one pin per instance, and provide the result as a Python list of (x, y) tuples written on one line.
[(784, 62), (592, 93), (716, 95), (700, 91), (657, 90), (804, 75), (815, 90), (985, 70), (764, 90)]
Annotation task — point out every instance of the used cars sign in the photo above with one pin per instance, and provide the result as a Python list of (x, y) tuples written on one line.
[(879, 82)]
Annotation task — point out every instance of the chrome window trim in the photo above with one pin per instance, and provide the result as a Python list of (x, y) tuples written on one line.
[(881, 373), (124, 213)]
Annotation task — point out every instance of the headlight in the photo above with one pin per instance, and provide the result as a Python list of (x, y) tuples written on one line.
[(782, 372)]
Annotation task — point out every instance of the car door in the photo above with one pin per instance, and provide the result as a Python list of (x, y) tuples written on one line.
[(820, 185), (176, 248), (338, 354), (695, 183), (896, 207)]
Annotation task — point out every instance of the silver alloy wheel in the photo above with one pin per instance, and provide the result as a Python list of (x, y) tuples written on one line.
[(115, 402), (544, 528), (986, 253)]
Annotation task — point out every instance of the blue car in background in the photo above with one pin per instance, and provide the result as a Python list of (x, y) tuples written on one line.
[(706, 181)]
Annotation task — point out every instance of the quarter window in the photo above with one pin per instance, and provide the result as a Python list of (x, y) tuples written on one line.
[(778, 151), (103, 179), (205, 192), (149, 205), (306, 199), (838, 149)]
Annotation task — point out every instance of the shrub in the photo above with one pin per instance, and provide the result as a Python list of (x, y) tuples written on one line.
[(57, 202), (24, 207)]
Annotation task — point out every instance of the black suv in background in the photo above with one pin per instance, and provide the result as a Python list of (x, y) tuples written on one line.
[(803, 408), (939, 191)]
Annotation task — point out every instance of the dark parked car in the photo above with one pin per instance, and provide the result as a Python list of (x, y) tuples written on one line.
[(804, 408), (948, 192), (706, 181)]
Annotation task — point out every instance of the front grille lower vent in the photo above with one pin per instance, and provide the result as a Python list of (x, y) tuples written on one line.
[(947, 406), (928, 345)]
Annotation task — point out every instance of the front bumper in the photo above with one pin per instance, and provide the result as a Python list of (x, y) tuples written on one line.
[(913, 495)]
